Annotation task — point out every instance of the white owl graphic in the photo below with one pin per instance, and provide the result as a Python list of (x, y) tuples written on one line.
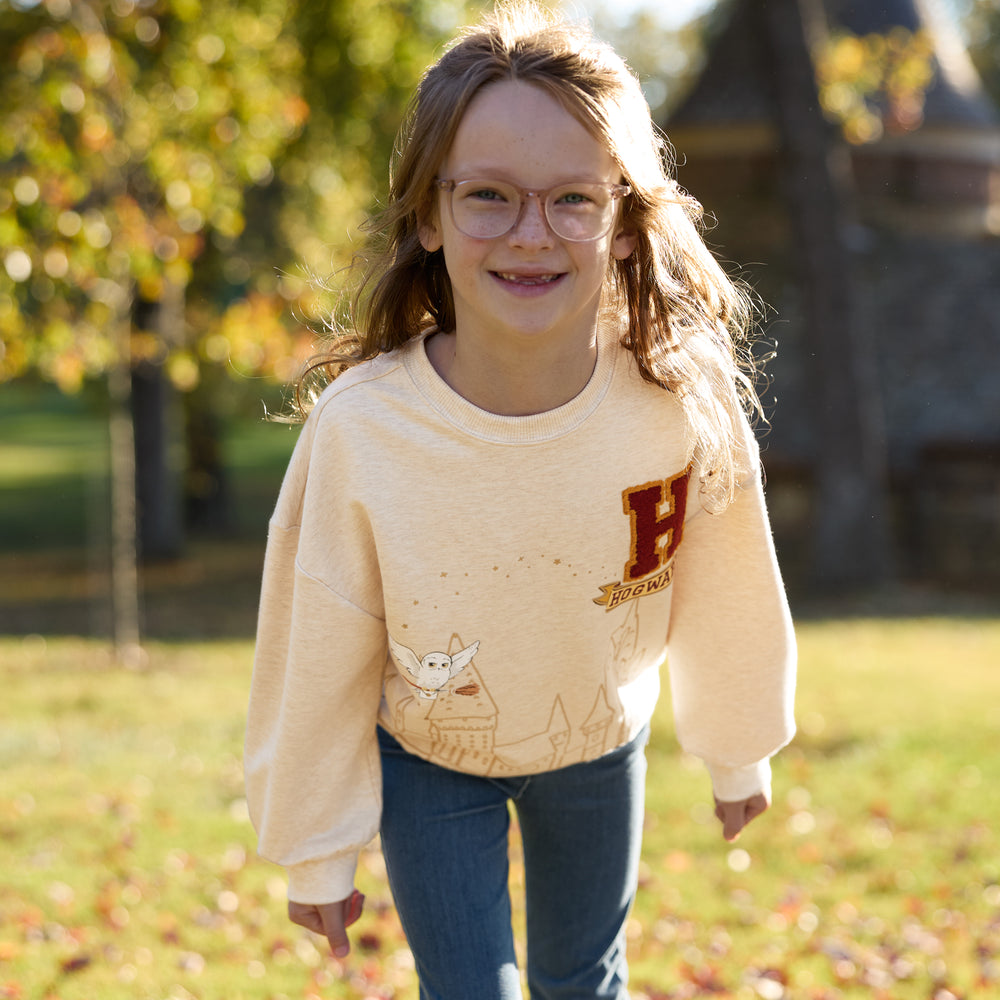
[(434, 670)]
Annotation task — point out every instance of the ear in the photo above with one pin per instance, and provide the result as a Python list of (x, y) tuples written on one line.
[(623, 245), (430, 235)]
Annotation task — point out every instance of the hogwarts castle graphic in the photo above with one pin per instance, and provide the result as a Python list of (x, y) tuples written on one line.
[(460, 724)]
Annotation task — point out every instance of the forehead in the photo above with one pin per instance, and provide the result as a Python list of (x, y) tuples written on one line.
[(514, 130)]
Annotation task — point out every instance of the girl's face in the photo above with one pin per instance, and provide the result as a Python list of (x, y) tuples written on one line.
[(528, 283)]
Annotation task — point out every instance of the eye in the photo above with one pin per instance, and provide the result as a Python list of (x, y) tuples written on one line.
[(573, 198), (485, 193)]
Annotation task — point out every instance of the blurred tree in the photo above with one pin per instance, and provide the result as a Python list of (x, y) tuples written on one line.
[(873, 84), (664, 53), (193, 165), (361, 61), (131, 133), (982, 27), (358, 63), (172, 172)]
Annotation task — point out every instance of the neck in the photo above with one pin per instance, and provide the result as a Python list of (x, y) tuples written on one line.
[(513, 383)]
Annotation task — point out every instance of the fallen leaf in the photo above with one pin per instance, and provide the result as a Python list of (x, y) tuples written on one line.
[(369, 941), (76, 964)]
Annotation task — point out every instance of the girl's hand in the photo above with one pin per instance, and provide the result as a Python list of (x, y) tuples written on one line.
[(736, 815), (329, 919)]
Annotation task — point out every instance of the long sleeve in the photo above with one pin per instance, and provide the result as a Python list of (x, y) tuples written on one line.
[(731, 646), (311, 756)]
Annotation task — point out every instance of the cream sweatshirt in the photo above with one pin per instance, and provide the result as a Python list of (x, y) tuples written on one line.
[(499, 594)]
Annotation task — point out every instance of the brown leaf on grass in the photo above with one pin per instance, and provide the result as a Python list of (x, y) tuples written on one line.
[(76, 964), (705, 977), (369, 941), (774, 974)]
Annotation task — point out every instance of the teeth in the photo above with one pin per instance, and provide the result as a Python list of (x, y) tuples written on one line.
[(523, 279)]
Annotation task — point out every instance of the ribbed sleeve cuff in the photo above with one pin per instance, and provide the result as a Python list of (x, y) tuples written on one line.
[(733, 784), (326, 881)]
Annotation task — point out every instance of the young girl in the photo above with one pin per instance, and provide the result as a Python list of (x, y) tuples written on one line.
[(533, 484)]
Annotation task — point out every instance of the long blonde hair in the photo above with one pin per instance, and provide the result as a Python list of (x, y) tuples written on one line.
[(684, 320)]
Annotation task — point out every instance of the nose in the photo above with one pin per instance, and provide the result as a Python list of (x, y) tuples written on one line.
[(532, 228)]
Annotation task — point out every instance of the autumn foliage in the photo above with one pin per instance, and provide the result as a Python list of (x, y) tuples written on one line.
[(215, 155)]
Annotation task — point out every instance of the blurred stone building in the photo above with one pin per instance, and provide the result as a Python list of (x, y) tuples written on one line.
[(924, 245)]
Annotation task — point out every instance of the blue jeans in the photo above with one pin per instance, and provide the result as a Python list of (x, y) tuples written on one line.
[(444, 839)]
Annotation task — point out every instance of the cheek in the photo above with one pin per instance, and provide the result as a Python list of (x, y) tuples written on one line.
[(462, 256), (598, 261)]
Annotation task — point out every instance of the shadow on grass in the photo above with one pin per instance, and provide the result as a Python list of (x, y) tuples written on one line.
[(210, 592), (938, 599), (55, 524)]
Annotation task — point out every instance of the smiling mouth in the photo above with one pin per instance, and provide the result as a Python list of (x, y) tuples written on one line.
[(528, 279)]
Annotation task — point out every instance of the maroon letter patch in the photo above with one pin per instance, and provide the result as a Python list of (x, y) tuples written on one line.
[(656, 511), (656, 514)]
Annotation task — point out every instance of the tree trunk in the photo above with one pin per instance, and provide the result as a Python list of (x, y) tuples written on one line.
[(124, 570), (160, 528), (851, 533), (208, 503), (159, 535)]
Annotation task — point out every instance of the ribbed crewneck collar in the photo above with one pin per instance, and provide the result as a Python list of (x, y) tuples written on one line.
[(503, 429)]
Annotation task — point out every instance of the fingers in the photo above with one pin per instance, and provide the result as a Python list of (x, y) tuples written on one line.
[(355, 904), (305, 915), (329, 919), (735, 815), (334, 917), (757, 805), (730, 814)]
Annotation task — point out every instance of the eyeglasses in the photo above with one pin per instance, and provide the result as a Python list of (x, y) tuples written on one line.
[(577, 212)]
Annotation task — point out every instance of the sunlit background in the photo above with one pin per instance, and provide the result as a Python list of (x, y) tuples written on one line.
[(183, 182), (182, 185)]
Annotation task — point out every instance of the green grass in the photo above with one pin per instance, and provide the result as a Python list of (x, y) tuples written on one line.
[(129, 869), (55, 523), (54, 464), (876, 873), (127, 865), (53, 457)]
